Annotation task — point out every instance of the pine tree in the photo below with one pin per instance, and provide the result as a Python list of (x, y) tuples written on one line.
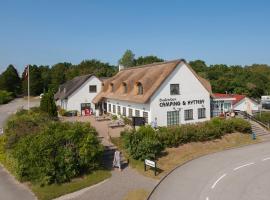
[(48, 105)]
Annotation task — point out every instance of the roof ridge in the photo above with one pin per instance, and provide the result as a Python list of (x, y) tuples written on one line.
[(154, 64)]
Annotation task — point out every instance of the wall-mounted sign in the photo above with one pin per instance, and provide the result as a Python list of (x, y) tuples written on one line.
[(167, 102)]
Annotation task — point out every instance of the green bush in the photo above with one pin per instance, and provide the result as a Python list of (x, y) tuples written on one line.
[(142, 144), (23, 123), (127, 120), (47, 104), (58, 153), (264, 117), (146, 142), (5, 96)]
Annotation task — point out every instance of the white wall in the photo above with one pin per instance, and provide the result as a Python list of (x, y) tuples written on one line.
[(247, 105), (190, 89), (82, 95), (134, 106)]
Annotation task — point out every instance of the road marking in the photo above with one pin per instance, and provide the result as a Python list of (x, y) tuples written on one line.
[(243, 166), (266, 159), (207, 198), (214, 185)]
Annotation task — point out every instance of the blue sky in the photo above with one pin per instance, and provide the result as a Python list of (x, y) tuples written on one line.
[(51, 31)]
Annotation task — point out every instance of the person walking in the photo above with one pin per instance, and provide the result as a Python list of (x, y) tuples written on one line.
[(117, 160)]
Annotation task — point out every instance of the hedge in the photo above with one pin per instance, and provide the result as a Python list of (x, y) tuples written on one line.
[(5, 96), (148, 143)]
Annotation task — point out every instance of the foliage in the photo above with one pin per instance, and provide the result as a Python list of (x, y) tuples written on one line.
[(142, 144), (10, 80), (128, 59), (144, 60), (57, 154), (5, 97), (36, 83), (263, 117), (114, 117), (146, 142), (127, 121), (48, 105), (247, 80), (24, 123)]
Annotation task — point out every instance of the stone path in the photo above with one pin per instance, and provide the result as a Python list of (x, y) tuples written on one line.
[(121, 182)]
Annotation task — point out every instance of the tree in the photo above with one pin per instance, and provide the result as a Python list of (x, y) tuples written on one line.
[(36, 83), (144, 60), (128, 59), (198, 65), (10, 80), (45, 76), (58, 74), (48, 105)]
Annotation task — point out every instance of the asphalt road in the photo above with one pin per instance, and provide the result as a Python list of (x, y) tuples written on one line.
[(238, 174), (10, 189)]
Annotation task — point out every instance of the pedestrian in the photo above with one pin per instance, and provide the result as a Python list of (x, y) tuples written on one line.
[(117, 159)]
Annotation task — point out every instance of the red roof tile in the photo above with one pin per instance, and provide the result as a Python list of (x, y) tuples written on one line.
[(237, 97)]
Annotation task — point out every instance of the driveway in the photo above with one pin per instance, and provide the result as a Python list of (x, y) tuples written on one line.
[(238, 174), (11, 189)]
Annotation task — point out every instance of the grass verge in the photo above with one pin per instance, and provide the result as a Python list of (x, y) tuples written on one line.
[(173, 157), (55, 190), (139, 194)]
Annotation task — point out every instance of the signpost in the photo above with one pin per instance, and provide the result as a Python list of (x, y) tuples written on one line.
[(151, 164)]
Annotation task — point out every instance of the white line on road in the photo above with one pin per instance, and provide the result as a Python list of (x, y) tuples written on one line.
[(243, 166), (207, 198), (214, 185), (266, 159)]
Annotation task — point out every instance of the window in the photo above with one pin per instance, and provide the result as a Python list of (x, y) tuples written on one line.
[(112, 87), (145, 115), (92, 88), (110, 108), (172, 118), (140, 89), (118, 110), (201, 113), (137, 113), (174, 89), (113, 109), (189, 114), (124, 111), (125, 88), (130, 112)]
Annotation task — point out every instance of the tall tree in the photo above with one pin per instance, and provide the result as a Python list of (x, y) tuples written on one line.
[(36, 83), (128, 59), (144, 60), (10, 80), (58, 74), (48, 105)]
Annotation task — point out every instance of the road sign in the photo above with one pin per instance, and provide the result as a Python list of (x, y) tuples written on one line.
[(150, 163)]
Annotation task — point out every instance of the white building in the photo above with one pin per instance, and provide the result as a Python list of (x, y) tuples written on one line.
[(223, 103), (78, 93), (169, 93)]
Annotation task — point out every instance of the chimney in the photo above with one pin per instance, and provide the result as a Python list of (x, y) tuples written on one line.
[(120, 67)]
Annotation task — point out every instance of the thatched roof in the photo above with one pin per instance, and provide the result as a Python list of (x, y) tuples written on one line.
[(150, 76)]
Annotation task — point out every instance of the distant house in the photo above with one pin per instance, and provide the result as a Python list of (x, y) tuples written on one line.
[(222, 103), (78, 93), (166, 94)]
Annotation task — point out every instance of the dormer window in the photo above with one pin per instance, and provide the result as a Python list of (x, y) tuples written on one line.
[(125, 88), (112, 87), (139, 89)]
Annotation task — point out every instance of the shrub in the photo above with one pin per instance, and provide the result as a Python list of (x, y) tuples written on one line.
[(5, 96), (58, 153), (127, 121), (142, 144), (114, 117), (47, 104), (23, 123), (264, 117)]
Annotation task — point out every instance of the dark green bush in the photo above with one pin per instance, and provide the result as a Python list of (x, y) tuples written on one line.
[(5, 96), (58, 153), (47, 104), (23, 123), (142, 144)]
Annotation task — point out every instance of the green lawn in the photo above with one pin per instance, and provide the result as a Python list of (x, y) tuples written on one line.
[(54, 190)]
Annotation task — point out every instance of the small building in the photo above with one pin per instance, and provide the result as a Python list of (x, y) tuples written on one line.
[(265, 101), (78, 93), (165, 93), (223, 103)]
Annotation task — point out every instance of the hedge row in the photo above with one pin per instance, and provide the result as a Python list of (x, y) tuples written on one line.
[(148, 143)]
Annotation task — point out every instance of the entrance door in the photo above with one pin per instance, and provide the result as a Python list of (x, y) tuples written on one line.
[(86, 109)]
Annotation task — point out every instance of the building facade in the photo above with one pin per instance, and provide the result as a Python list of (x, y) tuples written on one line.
[(167, 93), (78, 93)]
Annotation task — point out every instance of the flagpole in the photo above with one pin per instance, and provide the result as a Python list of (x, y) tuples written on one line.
[(28, 83)]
